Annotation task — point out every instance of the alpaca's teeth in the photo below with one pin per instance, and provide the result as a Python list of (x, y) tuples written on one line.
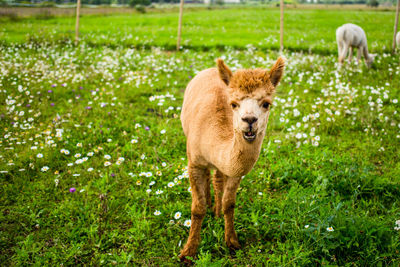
[(249, 136)]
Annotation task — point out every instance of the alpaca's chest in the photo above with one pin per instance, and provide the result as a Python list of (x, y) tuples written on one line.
[(235, 165)]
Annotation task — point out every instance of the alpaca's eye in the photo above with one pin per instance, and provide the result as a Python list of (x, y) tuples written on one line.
[(234, 105), (266, 105)]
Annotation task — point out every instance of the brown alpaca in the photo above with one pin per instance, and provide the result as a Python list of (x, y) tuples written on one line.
[(224, 117)]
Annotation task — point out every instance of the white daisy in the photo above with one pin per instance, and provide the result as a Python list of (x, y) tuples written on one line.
[(45, 169), (188, 223), (177, 215), (157, 212)]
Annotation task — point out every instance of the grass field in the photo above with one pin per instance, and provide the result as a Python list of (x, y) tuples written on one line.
[(92, 155), (306, 30)]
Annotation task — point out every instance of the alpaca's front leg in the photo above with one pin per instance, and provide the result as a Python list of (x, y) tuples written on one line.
[(359, 54), (340, 49), (228, 205), (350, 54), (218, 184), (198, 182), (344, 53)]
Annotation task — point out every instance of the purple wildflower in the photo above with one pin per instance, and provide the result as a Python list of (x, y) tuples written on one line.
[(72, 190)]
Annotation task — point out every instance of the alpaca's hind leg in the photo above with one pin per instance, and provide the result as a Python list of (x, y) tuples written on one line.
[(228, 206), (198, 180), (208, 189), (218, 184)]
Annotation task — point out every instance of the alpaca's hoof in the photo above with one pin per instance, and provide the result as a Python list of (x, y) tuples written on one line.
[(232, 252), (185, 261), (233, 244), (188, 251)]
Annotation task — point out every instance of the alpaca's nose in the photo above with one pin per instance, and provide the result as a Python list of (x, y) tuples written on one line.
[(249, 119)]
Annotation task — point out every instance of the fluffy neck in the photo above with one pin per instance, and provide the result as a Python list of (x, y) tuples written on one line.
[(238, 156)]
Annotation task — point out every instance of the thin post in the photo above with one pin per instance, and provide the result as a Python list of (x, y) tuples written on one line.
[(396, 22), (178, 44), (78, 10), (281, 27)]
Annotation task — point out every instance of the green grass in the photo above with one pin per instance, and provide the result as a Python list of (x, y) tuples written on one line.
[(305, 30), (330, 157)]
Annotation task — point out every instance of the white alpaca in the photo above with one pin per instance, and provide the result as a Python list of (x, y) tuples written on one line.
[(349, 36)]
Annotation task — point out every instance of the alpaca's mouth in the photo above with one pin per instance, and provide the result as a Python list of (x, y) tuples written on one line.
[(249, 136)]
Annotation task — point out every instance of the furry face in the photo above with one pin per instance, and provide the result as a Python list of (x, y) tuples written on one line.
[(370, 60), (250, 113), (250, 97)]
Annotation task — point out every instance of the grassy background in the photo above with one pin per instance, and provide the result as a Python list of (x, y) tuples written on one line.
[(305, 30), (342, 174)]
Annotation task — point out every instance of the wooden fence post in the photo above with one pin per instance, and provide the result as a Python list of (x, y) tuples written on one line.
[(78, 10), (281, 27), (396, 22), (178, 44)]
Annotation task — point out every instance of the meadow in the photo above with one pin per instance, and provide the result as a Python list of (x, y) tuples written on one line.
[(305, 30), (93, 168)]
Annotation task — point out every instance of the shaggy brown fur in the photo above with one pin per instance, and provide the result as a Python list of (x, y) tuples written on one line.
[(214, 125), (247, 81)]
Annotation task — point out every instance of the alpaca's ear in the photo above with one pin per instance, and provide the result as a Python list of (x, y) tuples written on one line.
[(224, 72), (276, 72)]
